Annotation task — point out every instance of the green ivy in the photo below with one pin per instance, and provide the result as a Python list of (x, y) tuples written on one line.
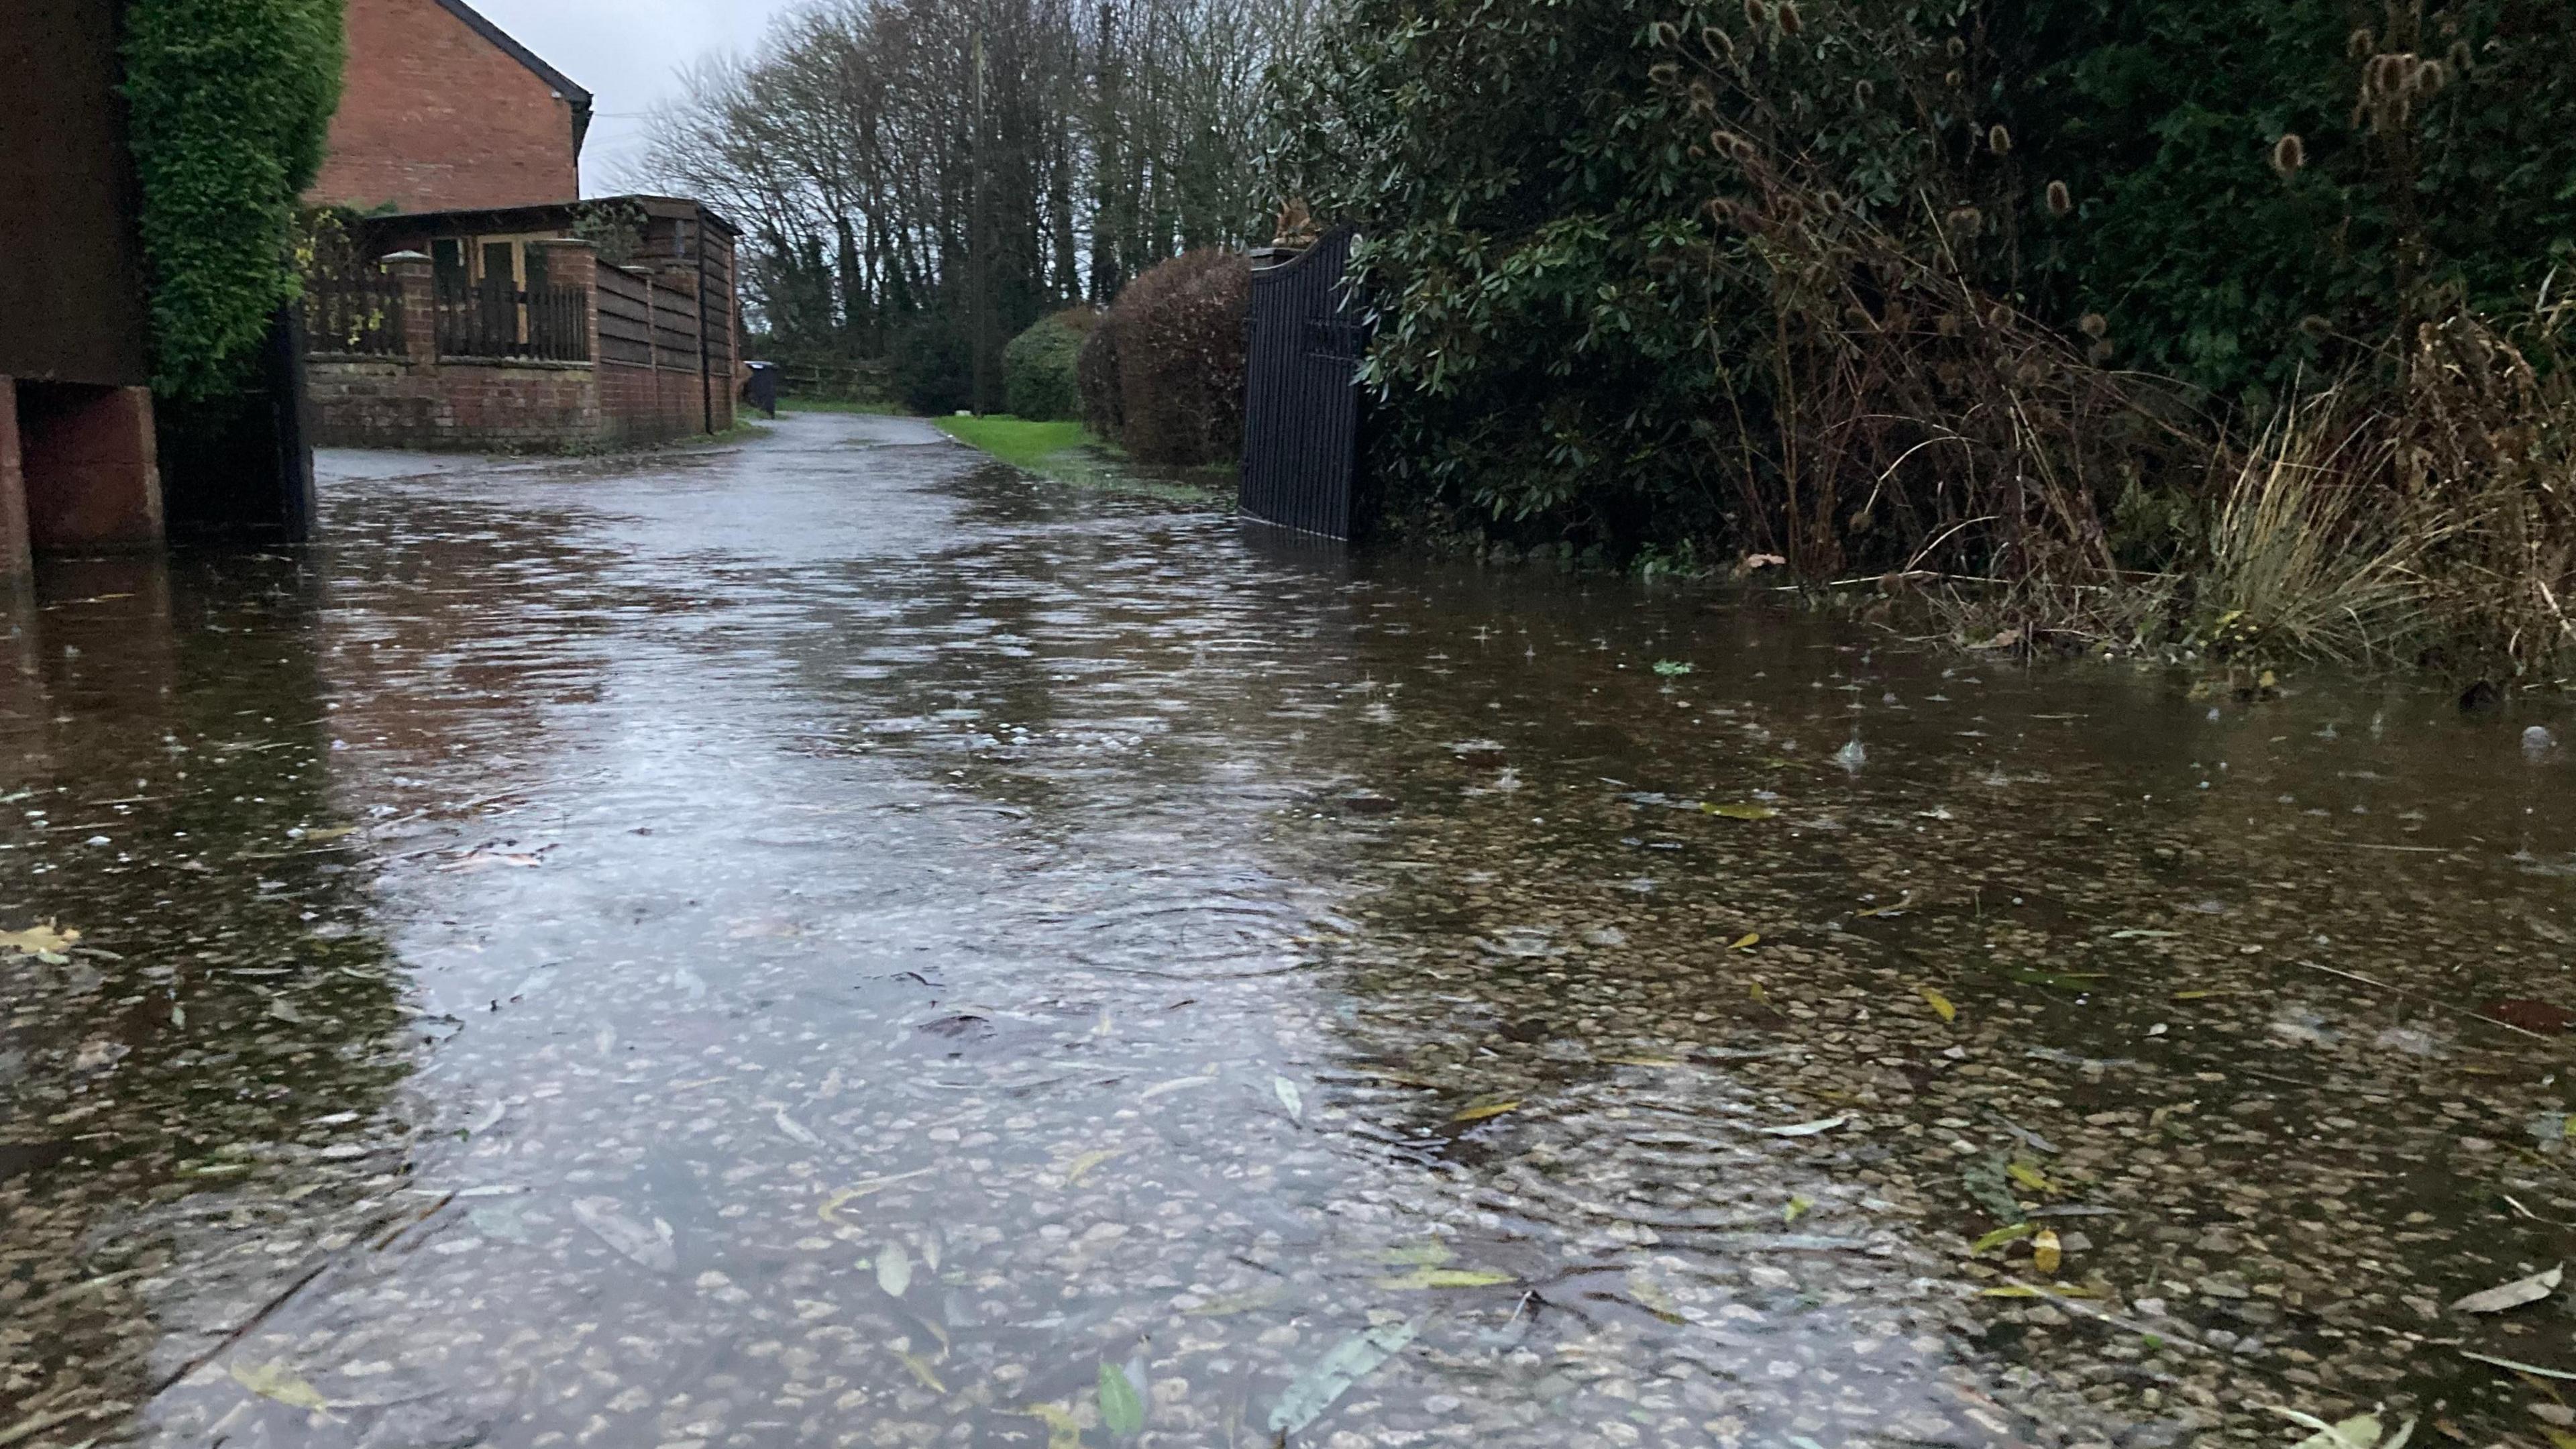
[(231, 104)]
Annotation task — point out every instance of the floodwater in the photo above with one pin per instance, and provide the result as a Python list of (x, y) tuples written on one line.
[(839, 943)]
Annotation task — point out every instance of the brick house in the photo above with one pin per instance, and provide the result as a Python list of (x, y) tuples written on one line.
[(480, 302), (443, 111), (527, 329)]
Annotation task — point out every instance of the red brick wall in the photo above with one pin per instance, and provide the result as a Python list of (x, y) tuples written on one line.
[(505, 407), (436, 118), (522, 407)]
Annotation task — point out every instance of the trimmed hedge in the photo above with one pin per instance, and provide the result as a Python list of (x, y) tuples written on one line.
[(1175, 344), (231, 104), (1041, 368)]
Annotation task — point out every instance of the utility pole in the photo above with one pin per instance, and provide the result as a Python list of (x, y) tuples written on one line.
[(980, 247)]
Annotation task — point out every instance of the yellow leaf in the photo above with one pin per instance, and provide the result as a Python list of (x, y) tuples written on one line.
[(2558, 1436), (2024, 1290), (1747, 941), (1939, 1002), (2030, 1177), (1488, 1111), (2001, 1236), (1797, 1209), (1083, 1165), (277, 1381), (38, 940), (1642, 1061), (322, 837), (2046, 1253), (1063, 1430), (921, 1370), (832, 1205), (1742, 812), (1759, 995), (1424, 1279)]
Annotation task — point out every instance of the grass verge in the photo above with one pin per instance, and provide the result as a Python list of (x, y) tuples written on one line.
[(1067, 453)]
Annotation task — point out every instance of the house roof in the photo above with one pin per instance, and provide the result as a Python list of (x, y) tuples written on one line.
[(509, 45), (541, 217)]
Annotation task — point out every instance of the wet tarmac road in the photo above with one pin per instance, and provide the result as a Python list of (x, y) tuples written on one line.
[(836, 943)]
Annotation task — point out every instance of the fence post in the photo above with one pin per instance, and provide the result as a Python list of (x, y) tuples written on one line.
[(411, 272)]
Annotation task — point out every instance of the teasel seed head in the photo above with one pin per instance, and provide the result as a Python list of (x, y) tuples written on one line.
[(1949, 325), (2061, 201), (1720, 45), (1965, 222), (2388, 73), (2360, 43), (2430, 78), (2288, 155), (1863, 93), (1999, 141), (1957, 47), (1756, 14), (1667, 34), (2460, 57), (1664, 73), (2316, 326), (1790, 21), (1830, 201), (2094, 325), (2099, 353), (1955, 79)]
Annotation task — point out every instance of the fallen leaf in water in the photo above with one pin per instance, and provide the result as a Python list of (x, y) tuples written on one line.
[(2054, 1290), (2560, 1438), (286, 1011), (1122, 1408), (1940, 1003), (1889, 910), (1180, 1084), (40, 940), (650, 1246), (894, 1270), (1423, 1279), (1351, 1360), (1486, 1112), (324, 837), (2029, 1177), (1083, 1165), (1063, 1430), (2514, 1294), (1652, 1298), (2362, 1431), (922, 1370), (2537, 1016), (1798, 1208), (1759, 995), (1747, 941), (832, 1205), (796, 1129), (1233, 1304), (1289, 1097), (2001, 1236), (1742, 812), (485, 860), (1806, 1129), (2047, 1254), (277, 1381), (1641, 1061)]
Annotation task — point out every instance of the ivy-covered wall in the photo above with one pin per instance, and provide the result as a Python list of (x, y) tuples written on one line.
[(231, 104)]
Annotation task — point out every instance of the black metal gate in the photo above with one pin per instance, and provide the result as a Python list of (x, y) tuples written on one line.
[(1301, 399)]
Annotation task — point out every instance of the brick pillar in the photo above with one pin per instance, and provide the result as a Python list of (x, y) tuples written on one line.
[(13, 487), (412, 272), (92, 469)]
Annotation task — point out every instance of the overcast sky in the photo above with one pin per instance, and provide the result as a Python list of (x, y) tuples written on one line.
[(629, 54)]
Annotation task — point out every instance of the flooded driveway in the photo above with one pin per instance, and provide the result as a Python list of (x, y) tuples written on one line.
[(839, 943)]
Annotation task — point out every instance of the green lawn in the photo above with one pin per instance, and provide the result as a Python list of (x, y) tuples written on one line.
[(1066, 453)]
